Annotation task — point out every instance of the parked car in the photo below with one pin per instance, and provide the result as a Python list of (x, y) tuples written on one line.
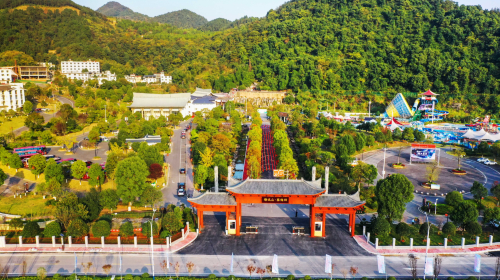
[(182, 171), (494, 223), (482, 159), (490, 162), (103, 138), (181, 189)]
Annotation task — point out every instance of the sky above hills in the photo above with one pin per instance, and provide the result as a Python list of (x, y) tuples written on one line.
[(228, 9)]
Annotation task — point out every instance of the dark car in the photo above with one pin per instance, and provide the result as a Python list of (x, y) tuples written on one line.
[(182, 171), (181, 189), (88, 163)]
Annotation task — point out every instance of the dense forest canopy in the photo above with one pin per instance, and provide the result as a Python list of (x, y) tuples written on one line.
[(324, 47)]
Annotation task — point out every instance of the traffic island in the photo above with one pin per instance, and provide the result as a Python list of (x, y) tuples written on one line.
[(398, 166), (459, 172)]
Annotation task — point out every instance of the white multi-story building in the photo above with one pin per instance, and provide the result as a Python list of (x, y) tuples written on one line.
[(106, 76), (162, 79), (7, 74), (68, 67), (133, 78), (11, 96)]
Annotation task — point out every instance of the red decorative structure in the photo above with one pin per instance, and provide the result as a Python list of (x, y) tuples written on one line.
[(257, 191)]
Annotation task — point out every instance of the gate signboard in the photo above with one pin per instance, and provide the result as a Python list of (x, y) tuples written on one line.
[(274, 199), (278, 173)]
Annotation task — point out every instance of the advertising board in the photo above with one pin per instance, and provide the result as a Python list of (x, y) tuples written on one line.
[(423, 152)]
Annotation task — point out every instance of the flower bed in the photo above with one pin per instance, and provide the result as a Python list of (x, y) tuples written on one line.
[(459, 172), (398, 166)]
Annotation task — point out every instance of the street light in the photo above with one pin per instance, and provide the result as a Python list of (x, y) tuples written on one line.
[(435, 207), (383, 167), (427, 240), (152, 255), (369, 108)]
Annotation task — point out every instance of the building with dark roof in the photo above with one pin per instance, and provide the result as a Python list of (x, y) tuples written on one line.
[(270, 191)]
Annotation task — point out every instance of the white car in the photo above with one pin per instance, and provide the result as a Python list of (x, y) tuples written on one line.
[(104, 138), (489, 162), (482, 159)]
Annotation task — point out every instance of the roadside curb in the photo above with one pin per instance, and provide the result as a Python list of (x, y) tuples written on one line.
[(361, 241), (97, 248)]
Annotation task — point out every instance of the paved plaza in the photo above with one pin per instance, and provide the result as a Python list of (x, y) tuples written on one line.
[(274, 237), (417, 173)]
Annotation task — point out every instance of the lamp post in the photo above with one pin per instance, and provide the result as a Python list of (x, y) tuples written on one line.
[(369, 108), (426, 247), (152, 254), (105, 114), (435, 207), (383, 167)]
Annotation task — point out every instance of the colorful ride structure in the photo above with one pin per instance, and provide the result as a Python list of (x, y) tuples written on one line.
[(423, 109), (428, 101)]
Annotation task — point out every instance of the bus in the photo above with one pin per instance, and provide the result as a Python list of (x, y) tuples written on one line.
[(28, 154), (39, 149)]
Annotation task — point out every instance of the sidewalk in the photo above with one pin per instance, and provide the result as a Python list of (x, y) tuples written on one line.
[(405, 250), (125, 248)]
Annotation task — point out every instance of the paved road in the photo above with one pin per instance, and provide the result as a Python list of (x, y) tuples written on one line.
[(485, 174), (179, 158), (64, 263), (46, 117)]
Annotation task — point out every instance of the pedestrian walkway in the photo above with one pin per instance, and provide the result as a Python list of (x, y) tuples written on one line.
[(405, 250), (268, 161), (125, 248)]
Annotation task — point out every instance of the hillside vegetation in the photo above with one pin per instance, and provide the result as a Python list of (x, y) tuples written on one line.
[(115, 9), (183, 19), (325, 47)]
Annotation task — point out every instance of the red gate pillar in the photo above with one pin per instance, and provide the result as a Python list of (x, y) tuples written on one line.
[(200, 219), (238, 218), (313, 217), (353, 224), (324, 223)]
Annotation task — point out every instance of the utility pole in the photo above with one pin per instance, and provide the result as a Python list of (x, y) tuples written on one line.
[(105, 115), (383, 168), (426, 247), (369, 108), (152, 254)]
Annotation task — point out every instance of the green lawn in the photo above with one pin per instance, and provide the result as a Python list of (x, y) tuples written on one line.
[(7, 125), (26, 205)]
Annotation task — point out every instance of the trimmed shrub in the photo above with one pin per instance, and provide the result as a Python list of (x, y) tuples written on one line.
[(101, 228)]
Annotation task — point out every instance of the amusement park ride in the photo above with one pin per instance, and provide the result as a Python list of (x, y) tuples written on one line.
[(423, 109)]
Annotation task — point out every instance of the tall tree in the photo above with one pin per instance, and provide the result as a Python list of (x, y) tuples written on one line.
[(78, 170), (392, 194), (131, 175), (37, 164)]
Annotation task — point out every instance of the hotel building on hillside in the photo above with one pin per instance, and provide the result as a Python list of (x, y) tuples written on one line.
[(11, 96), (159, 78), (68, 67), (74, 71)]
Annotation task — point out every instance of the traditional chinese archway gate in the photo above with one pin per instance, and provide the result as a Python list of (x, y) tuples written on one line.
[(278, 192)]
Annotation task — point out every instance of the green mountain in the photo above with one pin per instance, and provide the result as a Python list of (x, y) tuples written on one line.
[(115, 9), (217, 24), (183, 19), (325, 47)]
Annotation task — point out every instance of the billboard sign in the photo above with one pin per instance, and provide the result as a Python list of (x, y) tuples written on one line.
[(423, 152)]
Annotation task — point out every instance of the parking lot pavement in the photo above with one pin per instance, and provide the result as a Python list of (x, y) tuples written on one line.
[(274, 237), (81, 154)]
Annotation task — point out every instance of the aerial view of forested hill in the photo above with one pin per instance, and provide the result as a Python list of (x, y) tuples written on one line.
[(304, 45)]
